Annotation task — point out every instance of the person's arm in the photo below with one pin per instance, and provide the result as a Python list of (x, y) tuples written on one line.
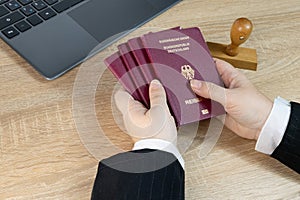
[(140, 174), (275, 127), (288, 151), (251, 115), (154, 169), (280, 136)]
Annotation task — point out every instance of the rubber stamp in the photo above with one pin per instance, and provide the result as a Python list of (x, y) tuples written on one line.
[(239, 57)]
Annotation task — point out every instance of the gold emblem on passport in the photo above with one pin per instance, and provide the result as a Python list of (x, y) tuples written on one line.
[(188, 72), (205, 112)]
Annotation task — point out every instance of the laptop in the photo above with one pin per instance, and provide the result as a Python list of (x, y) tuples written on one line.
[(54, 36)]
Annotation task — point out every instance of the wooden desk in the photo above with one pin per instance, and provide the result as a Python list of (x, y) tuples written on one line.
[(42, 156)]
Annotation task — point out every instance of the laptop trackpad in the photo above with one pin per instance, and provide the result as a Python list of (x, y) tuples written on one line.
[(106, 18)]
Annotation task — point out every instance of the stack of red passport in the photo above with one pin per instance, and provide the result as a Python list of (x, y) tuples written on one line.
[(174, 56)]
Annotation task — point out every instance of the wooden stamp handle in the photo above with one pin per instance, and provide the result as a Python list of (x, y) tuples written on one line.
[(240, 32)]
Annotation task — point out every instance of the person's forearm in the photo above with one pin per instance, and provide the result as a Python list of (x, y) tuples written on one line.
[(275, 127), (158, 144), (280, 136), (288, 151)]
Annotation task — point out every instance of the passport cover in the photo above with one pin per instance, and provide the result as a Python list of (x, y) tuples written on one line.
[(135, 73), (143, 61), (178, 56), (116, 65), (175, 57)]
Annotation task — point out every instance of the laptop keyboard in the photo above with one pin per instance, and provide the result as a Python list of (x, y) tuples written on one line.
[(18, 16)]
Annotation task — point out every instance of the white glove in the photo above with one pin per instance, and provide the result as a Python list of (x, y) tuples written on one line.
[(141, 123)]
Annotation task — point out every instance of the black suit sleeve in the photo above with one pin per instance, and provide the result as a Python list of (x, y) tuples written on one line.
[(143, 174), (288, 151)]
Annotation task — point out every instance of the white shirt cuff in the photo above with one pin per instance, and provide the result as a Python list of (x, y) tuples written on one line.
[(275, 127), (159, 144)]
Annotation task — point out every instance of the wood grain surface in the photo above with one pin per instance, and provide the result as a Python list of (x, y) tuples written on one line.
[(50, 131)]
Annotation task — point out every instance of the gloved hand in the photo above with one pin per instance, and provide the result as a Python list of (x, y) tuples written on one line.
[(141, 123), (247, 109)]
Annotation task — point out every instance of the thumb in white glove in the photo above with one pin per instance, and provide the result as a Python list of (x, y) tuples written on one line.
[(141, 123)]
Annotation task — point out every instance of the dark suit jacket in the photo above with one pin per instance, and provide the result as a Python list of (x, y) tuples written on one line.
[(288, 151), (144, 174)]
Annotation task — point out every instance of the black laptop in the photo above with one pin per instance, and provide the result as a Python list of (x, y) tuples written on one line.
[(56, 35)]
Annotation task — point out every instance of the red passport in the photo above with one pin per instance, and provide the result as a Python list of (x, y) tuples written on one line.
[(134, 71), (116, 65), (178, 56), (175, 57)]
